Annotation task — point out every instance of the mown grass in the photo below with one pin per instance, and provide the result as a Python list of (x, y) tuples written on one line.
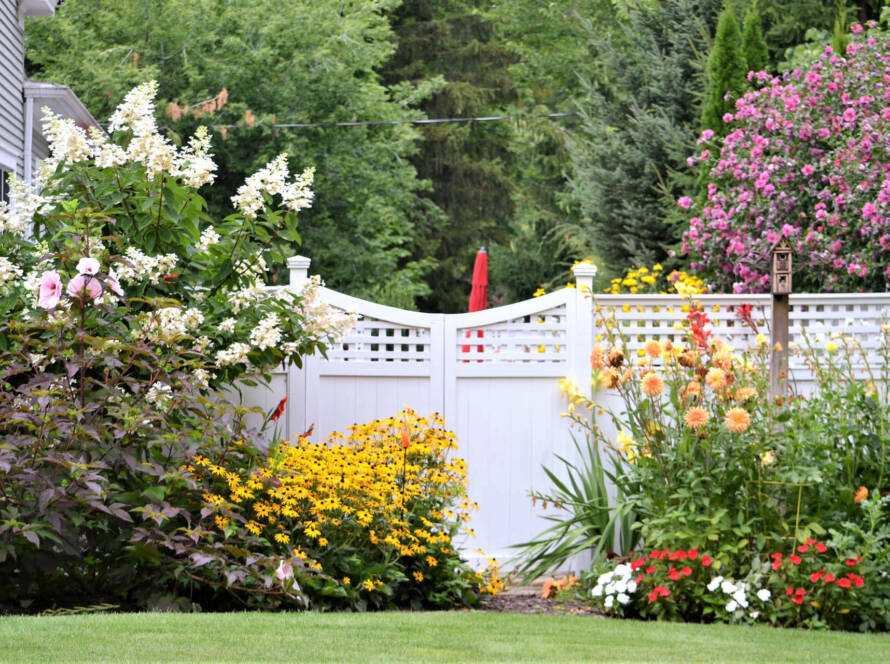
[(413, 637)]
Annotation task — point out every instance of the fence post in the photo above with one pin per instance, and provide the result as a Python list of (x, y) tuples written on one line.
[(583, 328), (299, 269)]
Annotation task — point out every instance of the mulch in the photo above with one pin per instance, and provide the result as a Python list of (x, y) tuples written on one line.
[(527, 599)]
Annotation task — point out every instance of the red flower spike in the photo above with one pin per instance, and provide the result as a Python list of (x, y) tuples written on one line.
[(794, 559), (706, 560), (279, 410)]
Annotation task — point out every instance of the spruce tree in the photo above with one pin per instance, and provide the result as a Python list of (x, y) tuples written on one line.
[(726, 73), (754, 45)]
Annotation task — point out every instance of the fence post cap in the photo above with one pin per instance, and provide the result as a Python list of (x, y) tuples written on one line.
[(584, 270), (297, 262)]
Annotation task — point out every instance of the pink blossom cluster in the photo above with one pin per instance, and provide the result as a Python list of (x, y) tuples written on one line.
[(86, 286), (809, 160)]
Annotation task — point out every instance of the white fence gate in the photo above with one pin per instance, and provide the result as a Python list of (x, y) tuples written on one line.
[(499, 392)]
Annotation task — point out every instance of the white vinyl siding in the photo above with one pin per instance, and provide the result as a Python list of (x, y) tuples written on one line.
[(12, 78)]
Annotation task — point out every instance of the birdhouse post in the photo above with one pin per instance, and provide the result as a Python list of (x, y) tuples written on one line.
[(780, 280)]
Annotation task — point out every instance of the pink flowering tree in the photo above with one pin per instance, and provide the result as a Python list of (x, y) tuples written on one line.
[(807, 159)]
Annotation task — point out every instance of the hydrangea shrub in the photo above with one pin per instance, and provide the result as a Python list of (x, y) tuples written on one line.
[(806, 159)]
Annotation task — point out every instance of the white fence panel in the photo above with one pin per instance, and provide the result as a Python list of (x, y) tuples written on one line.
[(493, 375)]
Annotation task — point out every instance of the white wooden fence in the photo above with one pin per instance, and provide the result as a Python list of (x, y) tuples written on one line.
[(500, 395)]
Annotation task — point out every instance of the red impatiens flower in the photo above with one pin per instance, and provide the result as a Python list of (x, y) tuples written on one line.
[(853, 561), (658, 591), (678, 555), (638, 563), (279, 410), (706, 560), (803, 548), (686, 571), (815, 576), (693, 554), (170, 278), (639, 579), (828, 578), (673, 574), (843, 583), (790, 590), (776, 556), (811, 542), (858, 581), (821, 548), (650, 569), (794, 559)]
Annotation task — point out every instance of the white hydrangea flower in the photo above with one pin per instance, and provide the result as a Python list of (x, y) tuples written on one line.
[(67, 142), (267, 333), (194, 163), (8, 272), (234, 354), (159, 394), (272, 179), (209, 237)]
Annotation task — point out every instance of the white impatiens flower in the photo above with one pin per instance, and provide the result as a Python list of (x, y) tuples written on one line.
[(597, 591), (623, 598), (609, 601), (731, 606), (728, 587), (763, 595), (740, 598), (715, 583)]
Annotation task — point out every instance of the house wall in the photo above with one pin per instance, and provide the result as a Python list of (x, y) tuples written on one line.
[(12, 78)]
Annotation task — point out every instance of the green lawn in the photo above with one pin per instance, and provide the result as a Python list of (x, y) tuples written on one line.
[(414, 637)]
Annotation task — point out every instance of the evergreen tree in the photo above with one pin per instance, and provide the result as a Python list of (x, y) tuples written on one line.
[(727, 72), (754, 45), (638, 117), (839, 36), (466, 163)]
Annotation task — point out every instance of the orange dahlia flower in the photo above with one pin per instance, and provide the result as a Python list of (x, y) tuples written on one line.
[(737, 420), (652, 384), (696, 417)]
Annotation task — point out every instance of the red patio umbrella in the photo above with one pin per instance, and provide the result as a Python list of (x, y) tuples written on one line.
[(479, 290)]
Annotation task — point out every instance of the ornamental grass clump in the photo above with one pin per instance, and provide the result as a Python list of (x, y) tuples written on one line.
[(365, 519)]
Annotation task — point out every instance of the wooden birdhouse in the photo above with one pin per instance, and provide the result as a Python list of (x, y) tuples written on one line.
[(781, 267)]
